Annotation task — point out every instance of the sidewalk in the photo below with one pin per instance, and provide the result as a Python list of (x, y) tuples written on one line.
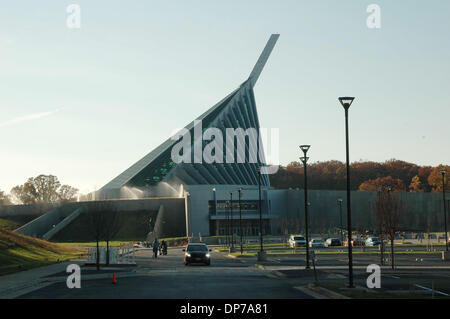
[(13, 285), (18, 284)]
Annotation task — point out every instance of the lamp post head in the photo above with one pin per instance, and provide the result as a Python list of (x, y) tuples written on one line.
[(443, 172), (214, 189), (346, 101), (304, 159), (305, 148), (339, 200)]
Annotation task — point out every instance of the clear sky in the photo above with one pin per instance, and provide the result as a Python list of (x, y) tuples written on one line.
[(85, 104)]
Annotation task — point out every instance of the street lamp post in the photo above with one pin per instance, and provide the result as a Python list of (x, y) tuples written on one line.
[(227, 226), (346, 102), (240, 219), (231, 221), (443, 172), (340, 218), (261, 255), (304, 159)]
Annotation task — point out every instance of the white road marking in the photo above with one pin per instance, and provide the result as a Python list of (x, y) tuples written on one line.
[(429, 289)]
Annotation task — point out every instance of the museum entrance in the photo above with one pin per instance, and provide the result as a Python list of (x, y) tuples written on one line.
[(250, 227)]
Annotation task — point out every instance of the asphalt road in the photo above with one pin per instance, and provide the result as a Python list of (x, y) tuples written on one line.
[(167, 277)]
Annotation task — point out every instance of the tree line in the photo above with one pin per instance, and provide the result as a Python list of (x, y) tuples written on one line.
[(399, 175), (39, 189)]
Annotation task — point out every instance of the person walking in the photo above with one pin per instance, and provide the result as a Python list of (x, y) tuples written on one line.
[(164, 247), (155, 248)]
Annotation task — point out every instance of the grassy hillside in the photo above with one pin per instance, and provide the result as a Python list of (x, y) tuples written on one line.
[(19, 252), (7, 224)]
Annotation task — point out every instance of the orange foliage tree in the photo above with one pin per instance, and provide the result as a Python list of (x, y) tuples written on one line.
[(374, 185)]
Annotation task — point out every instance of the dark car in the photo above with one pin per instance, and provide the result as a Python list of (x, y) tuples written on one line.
[(333, 242), (197, 253)]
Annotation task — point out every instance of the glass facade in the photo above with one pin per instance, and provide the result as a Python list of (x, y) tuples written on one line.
[(223, 206), (237, 111)]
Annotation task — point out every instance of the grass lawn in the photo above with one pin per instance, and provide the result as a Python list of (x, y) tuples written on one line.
[(19, 252), (6, 224)]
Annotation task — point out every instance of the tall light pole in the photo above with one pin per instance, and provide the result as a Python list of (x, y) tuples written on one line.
[(261, 255), (443, 172), (231, 221), (304, 160), (346, 102), (228, 225), (240, 219), (215, 211), (340, 218)]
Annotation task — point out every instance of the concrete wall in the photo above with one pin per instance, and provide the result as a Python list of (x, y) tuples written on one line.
[(25, 213), (173, 221)]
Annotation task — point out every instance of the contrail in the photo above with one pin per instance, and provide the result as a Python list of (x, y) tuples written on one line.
[(29, 117)]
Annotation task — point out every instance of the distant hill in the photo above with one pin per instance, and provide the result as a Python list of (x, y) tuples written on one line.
[(19, 252)]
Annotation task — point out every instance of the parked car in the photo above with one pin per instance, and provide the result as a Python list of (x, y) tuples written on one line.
[(297, 241), (373, 241), (197, 253), (333, 242), (355, 242), (316, 243)]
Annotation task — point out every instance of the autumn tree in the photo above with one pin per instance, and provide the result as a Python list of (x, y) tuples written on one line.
[(416, 185), (331, 175), (374, 185), (435, 179), (23, 194), (43, 189)]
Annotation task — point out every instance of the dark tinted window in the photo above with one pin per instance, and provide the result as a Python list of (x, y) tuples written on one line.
[(197, 248)]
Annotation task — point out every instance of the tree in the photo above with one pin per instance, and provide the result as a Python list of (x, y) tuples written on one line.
[(332, 174), (67, 193), (43, 189), (374, 185), (112, 225), (416, 185), (435, 179), (388, 213), (97, 222), (22, 194), (4, 199), (106, 222)]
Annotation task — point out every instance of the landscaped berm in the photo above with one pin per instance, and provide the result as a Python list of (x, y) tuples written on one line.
[(19, 252)]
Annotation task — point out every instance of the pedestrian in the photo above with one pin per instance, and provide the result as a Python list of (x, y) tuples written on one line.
[(164, 247), (155, 248)]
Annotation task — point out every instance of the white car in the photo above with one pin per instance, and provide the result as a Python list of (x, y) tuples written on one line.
[(316, 243), (297, 241)]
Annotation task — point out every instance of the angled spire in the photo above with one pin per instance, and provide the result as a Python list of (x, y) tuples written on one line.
[(259, 66)]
